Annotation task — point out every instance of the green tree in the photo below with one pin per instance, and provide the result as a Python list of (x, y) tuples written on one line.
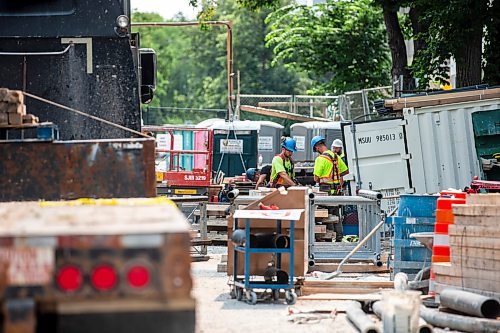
[(341, 43)]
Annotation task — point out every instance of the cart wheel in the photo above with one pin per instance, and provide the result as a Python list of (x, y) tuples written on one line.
[(276, 294), (239, 293), (251, 297), (232, 293), (290, 297)]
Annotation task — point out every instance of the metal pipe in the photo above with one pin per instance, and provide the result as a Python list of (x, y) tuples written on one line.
[(470, 303), (47, 53), (333, 200), (239, 238), (266, 240), (370, 194), (458, 322), (423, 326), (231, 195), (361, 320)]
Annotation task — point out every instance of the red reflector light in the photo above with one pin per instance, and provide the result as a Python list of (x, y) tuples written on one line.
[(104, 278), (69, 278), (138, 276)]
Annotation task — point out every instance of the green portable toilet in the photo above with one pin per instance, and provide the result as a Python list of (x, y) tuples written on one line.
[(486, 126), (235, 145)]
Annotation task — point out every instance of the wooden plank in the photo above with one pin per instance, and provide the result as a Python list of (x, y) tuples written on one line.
[(483, 199), (321, 213), (279, 114), (469, 278), (348, 268), (475, 252), (477, 210), (442, 99), (341, 296), (474, 242), (340, 290), (483, 263), (350, 283), (4, 118), (320, 229), (15, 119), (474, 231), (468, 282), (482, 221)]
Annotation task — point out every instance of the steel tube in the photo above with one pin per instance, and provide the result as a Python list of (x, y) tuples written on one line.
[(470, 303), (231, 195), (239, 238), (458, 322), (370, 194), (333, 200), (361, 320), (278, 241), (423, 326)]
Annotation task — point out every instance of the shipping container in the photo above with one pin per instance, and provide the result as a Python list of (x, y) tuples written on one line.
[(304, 132), (426, 150)]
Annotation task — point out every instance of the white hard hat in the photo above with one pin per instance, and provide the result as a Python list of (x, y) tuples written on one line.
[(337, 143)]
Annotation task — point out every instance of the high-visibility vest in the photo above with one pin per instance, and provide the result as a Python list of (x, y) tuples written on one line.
[(334, 176), (279, 180)]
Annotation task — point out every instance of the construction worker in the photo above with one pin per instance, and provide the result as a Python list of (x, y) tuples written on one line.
[(328, 172), (261, 177), (337, 147), (282, 171)]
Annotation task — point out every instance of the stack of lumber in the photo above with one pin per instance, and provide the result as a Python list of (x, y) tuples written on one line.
[(474, 247), (440, 99), (13, 110), (323, 230), (343, 289)]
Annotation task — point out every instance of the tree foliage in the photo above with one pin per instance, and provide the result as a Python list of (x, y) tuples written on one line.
[(192, 70), (341, 43)]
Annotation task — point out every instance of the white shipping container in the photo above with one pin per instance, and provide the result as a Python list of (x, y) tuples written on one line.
[(428, 150)]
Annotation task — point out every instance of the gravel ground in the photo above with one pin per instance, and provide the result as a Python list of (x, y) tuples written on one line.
[(217, 312)]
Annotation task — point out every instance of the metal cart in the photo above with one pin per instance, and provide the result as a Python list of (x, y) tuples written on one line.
[(244, 288)]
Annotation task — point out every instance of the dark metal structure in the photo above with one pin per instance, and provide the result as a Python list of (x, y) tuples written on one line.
[(77, 53), (75, 169)]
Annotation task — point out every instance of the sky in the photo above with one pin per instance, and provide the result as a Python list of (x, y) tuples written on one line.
[(166, 8)]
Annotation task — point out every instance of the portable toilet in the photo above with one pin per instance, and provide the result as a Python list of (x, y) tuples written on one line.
[(235, 144), (304, 132), (269, 141)]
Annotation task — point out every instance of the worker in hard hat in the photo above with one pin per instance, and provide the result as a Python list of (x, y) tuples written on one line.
[(337, 148), (328, 172), (282, 167), (261, 177)]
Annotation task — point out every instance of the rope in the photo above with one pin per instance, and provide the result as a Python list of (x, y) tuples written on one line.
[(86, 115)]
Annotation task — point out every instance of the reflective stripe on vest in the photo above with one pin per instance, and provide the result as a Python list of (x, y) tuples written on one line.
[(334, 175)]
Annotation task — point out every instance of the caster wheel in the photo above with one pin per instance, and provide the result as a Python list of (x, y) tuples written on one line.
[(290, 297), (239, 294), (251, 297), (232, 293), (276, 294)]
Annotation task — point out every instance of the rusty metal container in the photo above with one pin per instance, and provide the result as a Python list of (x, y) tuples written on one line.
[(64, 170)]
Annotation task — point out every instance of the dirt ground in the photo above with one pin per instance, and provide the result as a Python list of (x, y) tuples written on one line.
[(216, 312)]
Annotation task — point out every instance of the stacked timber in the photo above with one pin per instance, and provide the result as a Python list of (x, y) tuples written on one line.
[(13, 109), (474, 248), (440, 99)]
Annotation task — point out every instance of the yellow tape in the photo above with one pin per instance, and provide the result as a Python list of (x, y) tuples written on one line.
[(109, 202)]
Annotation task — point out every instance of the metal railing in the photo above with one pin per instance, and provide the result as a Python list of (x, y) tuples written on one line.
[(346, 106)]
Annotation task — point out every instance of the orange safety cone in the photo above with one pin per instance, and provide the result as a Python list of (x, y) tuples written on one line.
[(444, 217)]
